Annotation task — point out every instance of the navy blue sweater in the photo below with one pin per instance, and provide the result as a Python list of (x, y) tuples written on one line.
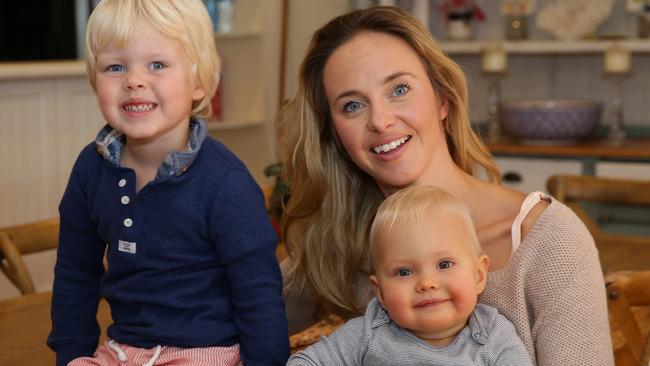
[(191, 260)]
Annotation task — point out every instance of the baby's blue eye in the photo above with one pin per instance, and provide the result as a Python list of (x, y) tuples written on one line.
[(403, 272), (401, 90), (445, 264), (157, 66), (116, 68), (351, 107)]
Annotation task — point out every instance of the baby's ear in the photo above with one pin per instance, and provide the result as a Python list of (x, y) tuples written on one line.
[(375, 287), (482, 265)]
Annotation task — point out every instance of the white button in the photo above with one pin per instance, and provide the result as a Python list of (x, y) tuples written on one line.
[(124, 200), (122, 182), (128, 222)]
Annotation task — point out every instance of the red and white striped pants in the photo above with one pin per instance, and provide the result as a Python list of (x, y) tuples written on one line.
[(113, 354)]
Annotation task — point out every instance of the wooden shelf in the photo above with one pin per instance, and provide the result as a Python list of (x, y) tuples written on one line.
[(637, 149), (42, 69), (533, 47)]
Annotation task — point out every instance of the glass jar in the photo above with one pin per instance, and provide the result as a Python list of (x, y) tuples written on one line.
[(459, 24)]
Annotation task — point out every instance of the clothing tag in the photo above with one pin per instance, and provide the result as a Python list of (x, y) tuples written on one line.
[(126, 246)]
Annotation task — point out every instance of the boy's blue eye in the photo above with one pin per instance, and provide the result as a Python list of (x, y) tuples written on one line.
[(445, 264), (351, 107), (401, 90), (404, 272), (116, 68), (157, 66)]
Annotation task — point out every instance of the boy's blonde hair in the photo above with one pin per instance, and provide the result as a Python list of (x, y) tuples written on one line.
[(409, 206), (185, 20)]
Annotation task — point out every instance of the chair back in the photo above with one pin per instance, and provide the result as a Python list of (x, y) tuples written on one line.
[(19, 240), (616, 212), (628, 301)]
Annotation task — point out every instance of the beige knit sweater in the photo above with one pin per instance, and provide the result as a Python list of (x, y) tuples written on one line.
[(552, 290)]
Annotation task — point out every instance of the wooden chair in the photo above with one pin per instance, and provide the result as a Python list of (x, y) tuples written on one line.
[(598, 202), (18, 240), (628, 300)]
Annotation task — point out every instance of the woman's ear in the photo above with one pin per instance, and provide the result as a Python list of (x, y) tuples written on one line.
[(482, 266), (443, 110)]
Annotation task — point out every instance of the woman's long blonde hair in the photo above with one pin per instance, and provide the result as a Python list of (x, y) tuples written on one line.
[(328, 215)]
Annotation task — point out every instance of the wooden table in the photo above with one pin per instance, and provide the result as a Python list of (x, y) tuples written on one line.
[(589, 152), (24, 327)]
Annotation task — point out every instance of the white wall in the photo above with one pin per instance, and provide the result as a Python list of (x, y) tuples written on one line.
[(305, 16)]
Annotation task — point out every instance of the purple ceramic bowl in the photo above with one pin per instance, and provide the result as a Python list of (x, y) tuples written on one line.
[(550, 119)]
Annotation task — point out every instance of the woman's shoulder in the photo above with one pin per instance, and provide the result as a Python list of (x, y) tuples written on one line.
[(556, 225), (557, 242)]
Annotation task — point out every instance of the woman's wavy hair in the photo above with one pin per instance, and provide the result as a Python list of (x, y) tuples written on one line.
[(185, 20), (327, 218)]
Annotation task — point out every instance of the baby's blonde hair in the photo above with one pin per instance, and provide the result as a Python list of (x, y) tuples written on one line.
[(185, 20), (409, 206)]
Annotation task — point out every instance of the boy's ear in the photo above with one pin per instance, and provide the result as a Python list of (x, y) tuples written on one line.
[(375, 287), (198, 93), (482, 266)]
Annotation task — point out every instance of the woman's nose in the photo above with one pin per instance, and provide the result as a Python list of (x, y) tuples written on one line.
[(381, 118)]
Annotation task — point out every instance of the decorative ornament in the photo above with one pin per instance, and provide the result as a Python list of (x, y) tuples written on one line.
[(573, 19)]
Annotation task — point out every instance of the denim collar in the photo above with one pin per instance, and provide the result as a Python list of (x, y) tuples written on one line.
[(109, 143)]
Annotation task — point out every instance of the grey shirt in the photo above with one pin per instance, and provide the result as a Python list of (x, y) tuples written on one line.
[(374, 339)]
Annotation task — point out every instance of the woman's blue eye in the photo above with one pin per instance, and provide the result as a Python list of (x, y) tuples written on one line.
[(401, 90), (351, 107), (157, 66), (403, 272), (116, 68), (445, 264)]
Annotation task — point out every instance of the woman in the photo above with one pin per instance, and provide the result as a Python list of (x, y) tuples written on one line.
[(380, 107)]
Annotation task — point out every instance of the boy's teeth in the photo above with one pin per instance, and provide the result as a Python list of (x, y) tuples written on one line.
[(389, 146), (138, 107)]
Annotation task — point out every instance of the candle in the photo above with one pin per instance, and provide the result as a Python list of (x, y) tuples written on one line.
[(495, 60), (617, 60)]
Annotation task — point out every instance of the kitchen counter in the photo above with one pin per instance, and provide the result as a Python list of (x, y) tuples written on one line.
[(41, 69), (634, 149)]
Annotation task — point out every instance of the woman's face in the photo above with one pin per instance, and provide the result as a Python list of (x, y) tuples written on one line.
[(385, 110)]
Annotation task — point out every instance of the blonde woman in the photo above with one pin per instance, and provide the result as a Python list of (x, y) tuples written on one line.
[(379, 108)]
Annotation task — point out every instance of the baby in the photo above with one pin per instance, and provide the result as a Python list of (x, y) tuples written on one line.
[(428, 270)]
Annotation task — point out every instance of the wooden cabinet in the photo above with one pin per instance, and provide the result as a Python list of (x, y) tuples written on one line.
[(44, 124), (529, 175)]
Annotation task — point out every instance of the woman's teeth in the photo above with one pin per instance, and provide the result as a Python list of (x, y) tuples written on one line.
[(389, 146), (138, 107)]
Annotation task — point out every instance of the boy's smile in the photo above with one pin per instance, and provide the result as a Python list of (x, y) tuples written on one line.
[(146, 87)]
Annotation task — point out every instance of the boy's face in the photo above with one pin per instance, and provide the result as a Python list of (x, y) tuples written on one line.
[(146, 88), (428, 275)]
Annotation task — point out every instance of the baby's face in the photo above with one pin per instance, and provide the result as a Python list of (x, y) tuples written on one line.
[(428, 275)]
